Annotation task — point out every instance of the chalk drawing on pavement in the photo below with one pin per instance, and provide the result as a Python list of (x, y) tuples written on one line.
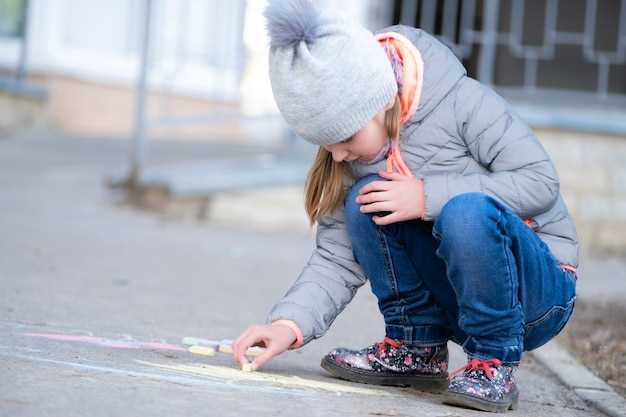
[(112, 343), (212, 384), (201, 346), (236, 375)]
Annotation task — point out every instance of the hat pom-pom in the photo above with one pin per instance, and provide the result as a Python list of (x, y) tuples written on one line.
[(292, 21)]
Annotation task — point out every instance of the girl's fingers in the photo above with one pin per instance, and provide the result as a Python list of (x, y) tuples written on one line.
[(260, 343), (402, 175), (247, 342), (238, 345), (402, 167), (378, 206), (244, 345), (389, 175), (264, 357), (240, 354), (241, 336), (247, 339), (374, 197), (397, 166), (406, 171), (374, 186)]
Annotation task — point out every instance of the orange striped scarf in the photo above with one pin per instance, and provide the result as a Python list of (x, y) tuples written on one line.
[(406, 61)]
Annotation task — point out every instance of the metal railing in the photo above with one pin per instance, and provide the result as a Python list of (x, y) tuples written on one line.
[(14, 21), (16, 26), (489, 29), (219, 56)]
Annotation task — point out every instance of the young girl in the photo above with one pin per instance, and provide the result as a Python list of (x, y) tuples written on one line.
[(429, 185)]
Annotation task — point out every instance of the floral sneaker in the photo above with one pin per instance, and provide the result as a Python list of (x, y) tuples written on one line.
[(391, 362), (485, 385)]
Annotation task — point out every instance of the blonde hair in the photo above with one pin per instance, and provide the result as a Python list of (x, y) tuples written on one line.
[(324, 189)]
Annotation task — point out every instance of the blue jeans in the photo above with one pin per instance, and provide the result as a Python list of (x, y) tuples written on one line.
[(477, 275)]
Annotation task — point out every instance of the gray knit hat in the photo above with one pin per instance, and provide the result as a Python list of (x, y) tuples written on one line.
[(329, 75)]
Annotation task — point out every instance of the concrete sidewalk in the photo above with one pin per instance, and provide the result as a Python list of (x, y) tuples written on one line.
[(86, 282)]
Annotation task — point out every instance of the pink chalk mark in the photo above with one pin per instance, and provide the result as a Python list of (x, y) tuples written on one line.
[(100, 341), (66, 337), (120, 344)]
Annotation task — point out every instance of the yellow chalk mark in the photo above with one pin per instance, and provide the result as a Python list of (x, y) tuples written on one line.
[(202, 350), (232, 374)]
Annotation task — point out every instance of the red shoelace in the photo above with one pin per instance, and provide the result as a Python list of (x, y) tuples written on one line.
[(387, 341), (486, 365)]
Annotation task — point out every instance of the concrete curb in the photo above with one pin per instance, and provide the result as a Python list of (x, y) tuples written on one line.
[(578, 378)]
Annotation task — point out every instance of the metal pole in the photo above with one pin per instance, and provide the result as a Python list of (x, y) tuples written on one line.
[(428, 16), (21, 63), (488, 42), (408, 13), (137, 155)]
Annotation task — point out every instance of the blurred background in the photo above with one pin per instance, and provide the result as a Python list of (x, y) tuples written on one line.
[(186, 71), (140, 143)]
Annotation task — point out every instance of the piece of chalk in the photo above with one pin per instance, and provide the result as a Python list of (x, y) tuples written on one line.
[(202, 350), (198, 341), (226, 348), (255, 351), (247, 367)]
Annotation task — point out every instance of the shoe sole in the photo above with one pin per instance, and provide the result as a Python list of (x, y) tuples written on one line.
[(421, 382), (467, 401)]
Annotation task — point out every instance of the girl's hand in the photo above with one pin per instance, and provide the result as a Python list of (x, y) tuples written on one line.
[(403, 196), (275, 338)]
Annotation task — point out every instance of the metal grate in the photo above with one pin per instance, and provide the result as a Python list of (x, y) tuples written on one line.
[(544, 47)]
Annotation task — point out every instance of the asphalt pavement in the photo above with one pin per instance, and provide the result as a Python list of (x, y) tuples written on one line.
[(97, 296)]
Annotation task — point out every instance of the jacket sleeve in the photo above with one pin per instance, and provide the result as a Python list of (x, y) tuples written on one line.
[(328, 282), (519, 171)]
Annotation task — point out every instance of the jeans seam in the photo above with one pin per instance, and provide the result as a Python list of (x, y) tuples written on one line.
[(437, 236), (508, 260), (405, 318), (388, 262)]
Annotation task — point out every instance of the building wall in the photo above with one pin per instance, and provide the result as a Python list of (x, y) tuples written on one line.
[(592, 171), (205, 54), (196, 45)]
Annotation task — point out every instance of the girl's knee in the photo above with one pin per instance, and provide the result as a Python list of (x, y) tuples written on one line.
[(464, 211), (352, 209), (351, 195), (361, 182)]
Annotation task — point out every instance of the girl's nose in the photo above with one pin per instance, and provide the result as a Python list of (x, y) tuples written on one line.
[(337, 153)]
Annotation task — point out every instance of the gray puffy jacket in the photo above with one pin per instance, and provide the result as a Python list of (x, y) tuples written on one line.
[(463, 137)]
